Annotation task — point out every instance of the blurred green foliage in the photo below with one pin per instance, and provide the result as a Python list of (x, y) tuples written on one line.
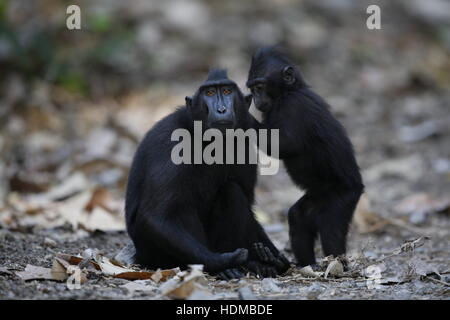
[(45, 50)]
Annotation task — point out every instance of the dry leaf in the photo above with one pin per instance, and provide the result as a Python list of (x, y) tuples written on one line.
[(70, 186), (185, 284), (391, 280), (59, 269), (63, 204), (134, 275), (335, 268), (102, 198), (421, 268), (35, 273), (27, 183), (157, 276), (201, 294), (163, 275), (62, 269), (5, 271), (100, 219), (422, 202), (309, 272), (365, 220), (139, 285), (76, 260), (114, 268), (406, 167), (246, 293), (26, 204), (269, 285), (72, 211), (179, 290), (110, 269)]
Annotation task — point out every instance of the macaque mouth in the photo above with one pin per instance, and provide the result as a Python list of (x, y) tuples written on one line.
[(262, 107), (223, 123)]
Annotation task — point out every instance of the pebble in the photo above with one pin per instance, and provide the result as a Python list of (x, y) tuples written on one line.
[(268, 284), (50, 242), (245, 293)]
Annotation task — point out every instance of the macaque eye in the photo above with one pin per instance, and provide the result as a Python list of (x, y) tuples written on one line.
[(226, 91), (257, 87), (210, 92)]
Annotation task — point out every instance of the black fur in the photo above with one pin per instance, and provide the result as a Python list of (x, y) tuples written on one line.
[(316, 151), (195, 213)]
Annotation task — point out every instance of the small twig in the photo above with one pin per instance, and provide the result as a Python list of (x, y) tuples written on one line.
[(343, 279), (408, 246), (401, 224), (419, 231), (438, 281)]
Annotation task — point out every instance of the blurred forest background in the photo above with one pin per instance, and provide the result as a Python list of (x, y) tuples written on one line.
[(75, 103)]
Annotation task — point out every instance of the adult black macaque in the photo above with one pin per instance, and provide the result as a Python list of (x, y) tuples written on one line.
[(316, 151), (197, 213)]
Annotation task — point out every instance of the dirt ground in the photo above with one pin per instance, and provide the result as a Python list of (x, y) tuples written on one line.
[(400, 279), (64, 158)]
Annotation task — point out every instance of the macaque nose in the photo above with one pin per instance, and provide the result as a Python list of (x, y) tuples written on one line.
[(221, 109)]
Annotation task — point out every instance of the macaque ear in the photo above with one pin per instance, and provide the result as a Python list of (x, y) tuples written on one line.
[(248, 100), (288, 75), (188, 101)]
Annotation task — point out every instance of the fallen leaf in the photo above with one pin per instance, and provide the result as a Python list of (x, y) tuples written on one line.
[(102, 198), (70, 186), (134, 275), (59, 269), (5, 271), (36, 273), (391, 280), (62, 270), (26, 205), (110, 269), (139, 285), (100, 219), (365, 220), (268, 284), (201, 294), (309, 272), (185, 284), (26, 183), (76, 260), (422, 202), (419, 132), (66, 203), (421, 268), (335, 268), (72, 211), (163, 275), (245, 293), (408, 168)]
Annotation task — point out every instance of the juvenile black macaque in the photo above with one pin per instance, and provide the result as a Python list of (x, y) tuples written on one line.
[(316, 151), (197, 213)]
